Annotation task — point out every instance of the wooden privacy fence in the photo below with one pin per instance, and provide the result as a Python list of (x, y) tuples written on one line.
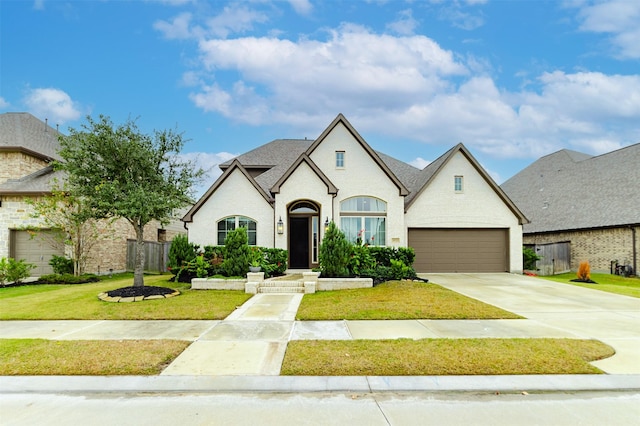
[(155, 259), (556, 258)]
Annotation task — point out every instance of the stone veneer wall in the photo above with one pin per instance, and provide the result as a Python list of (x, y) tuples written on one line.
[(14, 214), (16, 165), (598, 246)]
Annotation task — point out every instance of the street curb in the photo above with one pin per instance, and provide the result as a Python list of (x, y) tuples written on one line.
[(298, 384)]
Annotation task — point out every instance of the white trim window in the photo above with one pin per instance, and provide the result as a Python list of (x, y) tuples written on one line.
[(232, 222), (363, 220), (458, 184), (339, 159)]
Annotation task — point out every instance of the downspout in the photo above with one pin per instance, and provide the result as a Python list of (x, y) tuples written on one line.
[(634, 250)]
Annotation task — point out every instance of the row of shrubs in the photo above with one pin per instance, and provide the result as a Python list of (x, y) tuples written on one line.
[(188, 260), (341, 258)]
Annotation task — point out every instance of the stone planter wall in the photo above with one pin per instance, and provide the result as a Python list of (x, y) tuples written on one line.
[(326, 284), (217, 284)]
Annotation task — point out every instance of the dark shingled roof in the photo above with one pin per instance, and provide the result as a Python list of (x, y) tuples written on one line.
[(571, 190), (39, 182), (21, 131)]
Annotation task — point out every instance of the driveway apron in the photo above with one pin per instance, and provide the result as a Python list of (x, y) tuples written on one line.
[(584, 312), (250, 341)]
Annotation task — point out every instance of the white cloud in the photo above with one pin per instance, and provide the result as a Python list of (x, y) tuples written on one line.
[(178, 28), (3, 103), (234, 19), (208, 162), (38, 5), (51, 103), (620, 18), (302, 7), (420, 163), (353, 68), (405, 24)]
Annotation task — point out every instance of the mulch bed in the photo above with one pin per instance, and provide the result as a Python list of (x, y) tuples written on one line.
[(144, 291), (137, 294)]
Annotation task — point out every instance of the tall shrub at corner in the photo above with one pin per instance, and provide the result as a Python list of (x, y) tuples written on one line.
[(237, 254), (335, 251), (181, 251)]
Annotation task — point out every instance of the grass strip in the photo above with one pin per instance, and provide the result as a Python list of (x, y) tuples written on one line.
[(426, 357), (36, 357), (80, 302), (396, 300), (616, 284)]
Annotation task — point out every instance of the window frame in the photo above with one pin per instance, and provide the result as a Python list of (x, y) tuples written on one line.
[(458, 184), (252, 234), (363, 216), (340, 159)]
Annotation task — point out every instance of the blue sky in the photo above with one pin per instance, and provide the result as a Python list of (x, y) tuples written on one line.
[(512, 80)]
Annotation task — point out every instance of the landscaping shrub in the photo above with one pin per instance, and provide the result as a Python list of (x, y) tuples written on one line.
[(529, 259), (360, 260), (275, 261), (68, 279), (180, 252), (237, 255), (15, 271), (61, 265), (335, 252)]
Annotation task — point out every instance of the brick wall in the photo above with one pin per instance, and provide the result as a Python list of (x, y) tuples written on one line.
[(109, 253), (598, 246), (16, 165)]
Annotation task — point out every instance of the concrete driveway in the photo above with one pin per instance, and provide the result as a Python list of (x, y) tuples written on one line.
[(590, 314)]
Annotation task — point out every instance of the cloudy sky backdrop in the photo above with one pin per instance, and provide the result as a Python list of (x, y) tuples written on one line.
[(512, 80)]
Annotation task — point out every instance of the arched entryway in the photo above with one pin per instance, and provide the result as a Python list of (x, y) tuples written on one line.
[(304, 234)]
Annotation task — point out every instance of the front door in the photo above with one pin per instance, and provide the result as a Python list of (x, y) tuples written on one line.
[(299, 242)]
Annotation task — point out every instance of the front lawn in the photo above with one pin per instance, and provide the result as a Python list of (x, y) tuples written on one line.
[(80, 302), (37, 357), (605, 282), (427, 357), (396, 300)]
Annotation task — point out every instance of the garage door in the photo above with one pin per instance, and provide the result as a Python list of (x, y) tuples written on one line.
[(459, 250), (36, 250)]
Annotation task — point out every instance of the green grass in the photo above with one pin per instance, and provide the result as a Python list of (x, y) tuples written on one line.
[(80, 302), (442, 357), (37, 357), (396, 300), (605, 282)]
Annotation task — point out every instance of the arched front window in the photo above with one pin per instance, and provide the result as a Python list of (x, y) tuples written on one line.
[(363, 220), (233, 222)]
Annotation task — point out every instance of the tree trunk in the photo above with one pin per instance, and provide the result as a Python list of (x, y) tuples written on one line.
[(138, 272)]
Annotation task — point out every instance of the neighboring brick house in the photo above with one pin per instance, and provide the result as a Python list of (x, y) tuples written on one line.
[(591, 204), (28, 146), (451, 212)]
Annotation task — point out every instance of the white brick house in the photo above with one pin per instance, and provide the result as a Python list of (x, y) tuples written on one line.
[(451, 212)]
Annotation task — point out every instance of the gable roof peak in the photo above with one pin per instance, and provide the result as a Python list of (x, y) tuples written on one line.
[(340, 118)]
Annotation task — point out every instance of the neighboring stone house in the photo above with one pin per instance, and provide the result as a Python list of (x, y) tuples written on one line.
[(285, 192), (28, 146), (590, 204)]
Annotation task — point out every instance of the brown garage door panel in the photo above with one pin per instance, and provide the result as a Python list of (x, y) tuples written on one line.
[(36, 250), (459, 250)]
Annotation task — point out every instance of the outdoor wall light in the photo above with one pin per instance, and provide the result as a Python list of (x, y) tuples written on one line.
[(326, 224), (280, 226)]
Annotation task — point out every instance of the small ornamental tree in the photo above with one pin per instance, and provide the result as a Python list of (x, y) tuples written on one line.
[(237, 254), (121, 172), (74, 230), (584, 271), (335, 253)]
